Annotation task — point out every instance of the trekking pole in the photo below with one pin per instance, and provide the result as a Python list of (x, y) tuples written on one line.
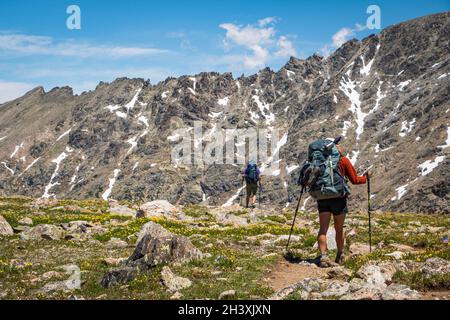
[(241, 193), (368, 209), (259, 195), (295, 216)]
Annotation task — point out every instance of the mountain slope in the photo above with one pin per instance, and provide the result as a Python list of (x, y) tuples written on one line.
[(388, 95)]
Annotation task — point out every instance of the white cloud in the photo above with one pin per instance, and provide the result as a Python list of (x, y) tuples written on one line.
[(341, 37), (286, 48), (43, 45), (248, 36), (12, 90), (266, 21), (260, 40)]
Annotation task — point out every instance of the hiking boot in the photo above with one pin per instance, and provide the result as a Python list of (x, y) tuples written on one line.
[(325, 262), (340, 258)]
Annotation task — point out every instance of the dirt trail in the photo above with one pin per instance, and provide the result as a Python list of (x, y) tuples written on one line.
[(285, 273)]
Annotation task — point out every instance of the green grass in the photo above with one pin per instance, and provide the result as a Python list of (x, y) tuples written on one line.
[(237, 258), (419, 281), (243, 272), (195, 210)]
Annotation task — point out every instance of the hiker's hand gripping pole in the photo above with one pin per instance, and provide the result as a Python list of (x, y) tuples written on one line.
[(295, 216)]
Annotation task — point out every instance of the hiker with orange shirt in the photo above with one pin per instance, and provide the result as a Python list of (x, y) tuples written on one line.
[(326, 173)]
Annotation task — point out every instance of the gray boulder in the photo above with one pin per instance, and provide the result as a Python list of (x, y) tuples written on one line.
[(399, 292), (173, 282), (435, 266), (43, 231), (77, 226), (160, 208), (155, 246), (307, 285), (365, 293), (5, 228), (118, 276), (339, 273), (227, 295), (336, 289), (26, 221), (158, 246), (120, 210)]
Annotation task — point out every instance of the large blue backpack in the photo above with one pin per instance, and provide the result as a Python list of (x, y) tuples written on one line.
[(321, 174), (251, 173)]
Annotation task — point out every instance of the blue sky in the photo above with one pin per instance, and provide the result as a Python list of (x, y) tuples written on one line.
[(157, 39)]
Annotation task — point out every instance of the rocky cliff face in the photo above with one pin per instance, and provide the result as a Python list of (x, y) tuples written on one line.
[(388, 95)]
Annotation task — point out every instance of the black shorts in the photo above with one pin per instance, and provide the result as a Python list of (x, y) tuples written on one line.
[(336, 206), (252, 189)]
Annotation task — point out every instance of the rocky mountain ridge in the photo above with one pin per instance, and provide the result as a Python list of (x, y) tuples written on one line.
[(388, 95)]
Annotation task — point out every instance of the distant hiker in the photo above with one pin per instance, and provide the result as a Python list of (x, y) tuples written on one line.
[(326, 173), (252, 176)]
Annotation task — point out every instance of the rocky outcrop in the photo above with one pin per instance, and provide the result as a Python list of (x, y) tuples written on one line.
[(158, 246), (155, 246)]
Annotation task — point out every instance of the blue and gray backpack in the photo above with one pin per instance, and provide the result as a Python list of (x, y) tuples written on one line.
[(321, 174), (251, 173)]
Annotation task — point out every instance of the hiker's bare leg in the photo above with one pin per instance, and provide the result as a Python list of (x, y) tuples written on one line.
[(339, 227), (254, 200), (324, 220)]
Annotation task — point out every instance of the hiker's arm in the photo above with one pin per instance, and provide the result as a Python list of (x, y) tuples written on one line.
[(350, 172)]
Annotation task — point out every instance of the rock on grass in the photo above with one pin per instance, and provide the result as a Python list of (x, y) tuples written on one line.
[(227, 295), (155, 246), (43, 231), (5, 228), (173, 282)]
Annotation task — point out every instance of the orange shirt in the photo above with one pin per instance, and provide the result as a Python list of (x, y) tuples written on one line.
[(347, 170)]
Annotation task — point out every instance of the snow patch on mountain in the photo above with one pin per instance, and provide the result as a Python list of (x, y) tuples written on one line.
[(401, 191), (144, 121), (292, 168), (264, 108), (348, 87), (30, 166), (64, 134), (72, 182), (447, 142), (365, 70), (194, 86), (403, 84), (230, 201), (354, 157), (406, 127), (223, 102), (58, 162), (16, 150), (121, 114), (7, 168), (215, 115), (130, 105), (428, 166), (112, 182)]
